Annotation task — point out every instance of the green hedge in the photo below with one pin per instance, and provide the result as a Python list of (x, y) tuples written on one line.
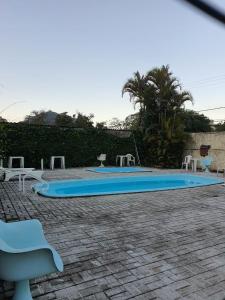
[(79, 146)]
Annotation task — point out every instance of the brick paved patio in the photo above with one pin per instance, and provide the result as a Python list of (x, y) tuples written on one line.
[(158, 245)]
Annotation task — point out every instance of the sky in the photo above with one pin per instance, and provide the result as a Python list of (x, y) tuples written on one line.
[(76, 55)]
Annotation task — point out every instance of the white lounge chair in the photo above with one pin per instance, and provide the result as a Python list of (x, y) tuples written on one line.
[(101, 158), (186, 162), (22, 175), (33, 174), (130, 160), (12, 172)]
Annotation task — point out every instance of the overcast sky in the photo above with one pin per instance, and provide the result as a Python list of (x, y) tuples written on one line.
[(76, 55)]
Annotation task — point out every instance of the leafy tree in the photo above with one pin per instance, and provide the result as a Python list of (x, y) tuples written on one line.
[(35, 117), (116, 124), (63, 119), (137, 88), (220, 126), (132, 122), (101, 125), (2, 120), (195, 122), (83, 121), (41, 117), (161, 99)]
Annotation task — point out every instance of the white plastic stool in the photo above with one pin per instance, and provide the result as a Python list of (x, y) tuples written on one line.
[(52, 161), (21, 158)]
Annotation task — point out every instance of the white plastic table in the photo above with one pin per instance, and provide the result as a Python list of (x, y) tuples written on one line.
[(21, 158), (121, 159), (52, 161), (194, 162)]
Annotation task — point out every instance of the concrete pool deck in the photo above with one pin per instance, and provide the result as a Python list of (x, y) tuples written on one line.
[(155, 245)]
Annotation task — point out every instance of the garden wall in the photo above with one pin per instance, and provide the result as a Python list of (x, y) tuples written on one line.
[(217, 142), (79, 146)]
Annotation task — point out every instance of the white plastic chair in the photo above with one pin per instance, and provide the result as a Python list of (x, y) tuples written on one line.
[(101, 158), (22, 174), (186, 162), (220, 167), (25, 254), (130, 159), (206, 163)]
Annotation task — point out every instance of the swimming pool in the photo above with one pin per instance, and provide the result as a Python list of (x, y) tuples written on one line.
[(119, 170), (122, 185)]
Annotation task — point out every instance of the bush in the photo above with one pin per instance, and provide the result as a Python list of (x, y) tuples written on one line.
[(79, 146)]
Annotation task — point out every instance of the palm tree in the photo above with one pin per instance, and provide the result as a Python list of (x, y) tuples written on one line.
[(159, 94), (169, 98), (161, 100), (136, 87)]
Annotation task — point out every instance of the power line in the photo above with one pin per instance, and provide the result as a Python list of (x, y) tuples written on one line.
[(218, 120), (221, 107), (8, 106), (213, 81), (212, 86), (206, 79)]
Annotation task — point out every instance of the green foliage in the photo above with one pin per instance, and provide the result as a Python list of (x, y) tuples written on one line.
[(195, 122), (116, 124), (49, 117), (220, 126), (3, 140), (83, 121), (79, 146), (41, 117), (2, 120), (132, 122), (63, 119), (101, 125), (160, 98)]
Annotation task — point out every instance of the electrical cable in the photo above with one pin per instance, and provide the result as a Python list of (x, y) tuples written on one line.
[(212, 86), (8, 106), (206, 79), (206, 82), (212, 81), (211, 109)]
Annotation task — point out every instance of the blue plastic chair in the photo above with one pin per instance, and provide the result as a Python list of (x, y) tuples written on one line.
[(25, 254)]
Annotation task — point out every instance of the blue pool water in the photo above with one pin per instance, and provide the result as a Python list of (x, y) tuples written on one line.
[(122, 185), (119, 170)]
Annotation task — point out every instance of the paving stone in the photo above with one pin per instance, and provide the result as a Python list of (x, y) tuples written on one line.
[(161, 245)]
